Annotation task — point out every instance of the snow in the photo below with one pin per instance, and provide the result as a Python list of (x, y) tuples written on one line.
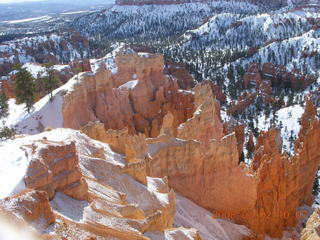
[(35, 69), (289, 118), (68, 207), (43, 18), (129, 85), (46, 114), (191, 215), (60, 67), (144, 55), (14, 162), (75, 12), (13, 165)]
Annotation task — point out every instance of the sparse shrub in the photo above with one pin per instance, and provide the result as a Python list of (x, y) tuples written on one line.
[(4, 107), (7, 133)]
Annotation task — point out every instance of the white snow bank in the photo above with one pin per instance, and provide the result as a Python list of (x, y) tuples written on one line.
[(129, 85), (13, 165), (35, 69), (289, 117), (36, 19), (190, 215), (45, 113), (69, 207)]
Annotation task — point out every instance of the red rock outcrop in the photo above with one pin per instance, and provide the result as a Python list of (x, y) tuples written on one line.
[(115, 205), (117, 102), (54, 167), (278, 75), (179, 71), (264, 196), (242, 103), (206, 119), (202, 164), (7, 86), (232, 126), (190, 151), (81, 66), (29, 206)]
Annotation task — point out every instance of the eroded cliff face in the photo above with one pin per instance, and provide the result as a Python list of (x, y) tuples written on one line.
[(107, 202), (202, 163), (156, 137), (137, 96)]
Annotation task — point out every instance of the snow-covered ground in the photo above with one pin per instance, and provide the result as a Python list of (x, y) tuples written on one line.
[(60, 47), (37, 19), (191, 215), (288, 121)]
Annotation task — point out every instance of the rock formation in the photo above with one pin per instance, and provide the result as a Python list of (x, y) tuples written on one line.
[(29, 206), (112, 203), (263, 78), (137, 96), (278, 75), (54, 167), (63, 73), (153, 139), (206, 118), (204, 167)]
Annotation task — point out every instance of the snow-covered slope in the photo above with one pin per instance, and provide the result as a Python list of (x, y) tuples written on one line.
[(151, 22), (52, 48), (211, 228), (14, 163)]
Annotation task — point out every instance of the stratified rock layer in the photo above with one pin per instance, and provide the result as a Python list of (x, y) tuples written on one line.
[(203, 165), (160, 137), (136, 97), (312, 228)]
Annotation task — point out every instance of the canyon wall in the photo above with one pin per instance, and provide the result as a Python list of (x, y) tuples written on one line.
[(108, 202), (137, 96), (190, 145), (161, 135), (203, 165)]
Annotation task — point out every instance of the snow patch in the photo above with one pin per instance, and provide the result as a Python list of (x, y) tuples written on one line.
[(129, 85), (190, 215)]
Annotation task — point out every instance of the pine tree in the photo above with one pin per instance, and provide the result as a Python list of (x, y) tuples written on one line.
[(25, 88), (50, 82), (4, 107), (6, 133)]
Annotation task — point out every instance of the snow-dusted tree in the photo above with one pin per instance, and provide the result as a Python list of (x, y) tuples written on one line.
[(50, 82), (25, 88), (4, 107)]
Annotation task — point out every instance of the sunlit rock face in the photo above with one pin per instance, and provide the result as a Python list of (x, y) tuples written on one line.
[(137, 96), (273, 185), (145, 139), (87, 190), (207, 170), (201, 160)]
